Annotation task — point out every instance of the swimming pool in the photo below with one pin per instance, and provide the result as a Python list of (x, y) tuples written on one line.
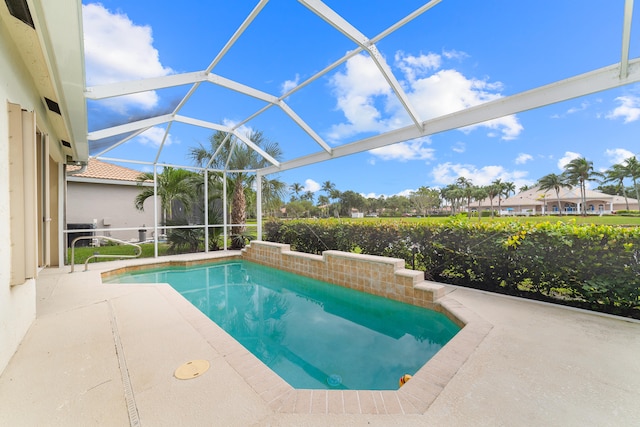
[(312, 334)]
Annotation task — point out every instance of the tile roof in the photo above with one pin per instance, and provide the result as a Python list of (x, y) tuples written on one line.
[(102, 170)]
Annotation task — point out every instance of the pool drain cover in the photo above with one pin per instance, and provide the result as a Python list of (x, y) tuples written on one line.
[(192, 369), (334, 380)]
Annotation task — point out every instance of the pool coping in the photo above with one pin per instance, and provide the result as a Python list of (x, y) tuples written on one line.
[(415, 397)]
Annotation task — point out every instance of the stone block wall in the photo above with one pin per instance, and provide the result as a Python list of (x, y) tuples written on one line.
[(382, 276)]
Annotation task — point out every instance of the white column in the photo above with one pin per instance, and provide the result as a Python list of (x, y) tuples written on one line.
[(155, 211), (206, 213), (259, 205)]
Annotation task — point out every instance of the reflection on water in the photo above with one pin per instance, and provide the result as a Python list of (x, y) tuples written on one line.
[(313, 334)]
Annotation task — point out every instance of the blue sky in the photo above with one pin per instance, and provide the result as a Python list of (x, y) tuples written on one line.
[(456, 55)]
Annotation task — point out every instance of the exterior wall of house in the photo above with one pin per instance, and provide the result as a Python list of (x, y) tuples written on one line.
[(111, 206), (18, 296)]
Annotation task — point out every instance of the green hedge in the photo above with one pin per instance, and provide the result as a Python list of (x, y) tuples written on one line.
[(589, 266)]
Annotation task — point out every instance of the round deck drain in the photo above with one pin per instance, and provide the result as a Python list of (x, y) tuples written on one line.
[(334, 380), (192, 369)]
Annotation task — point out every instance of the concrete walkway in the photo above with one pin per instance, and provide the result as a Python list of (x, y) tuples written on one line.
[(105, 355)]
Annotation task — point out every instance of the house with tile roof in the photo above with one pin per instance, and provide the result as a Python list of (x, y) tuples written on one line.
[(101, 197), (537, 202)]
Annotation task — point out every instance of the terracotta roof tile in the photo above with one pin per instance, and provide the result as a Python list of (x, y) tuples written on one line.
[(102, 170)]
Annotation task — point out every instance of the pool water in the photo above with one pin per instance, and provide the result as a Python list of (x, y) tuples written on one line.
[(313, 334)]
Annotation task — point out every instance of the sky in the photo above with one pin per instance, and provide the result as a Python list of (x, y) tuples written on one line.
[(456, 55)]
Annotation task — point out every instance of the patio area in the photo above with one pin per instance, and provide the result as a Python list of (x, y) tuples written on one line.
[(102, 354)]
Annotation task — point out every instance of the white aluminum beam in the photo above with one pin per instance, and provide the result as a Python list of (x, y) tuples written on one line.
[(256, 148), (342, 25), (201, 123), (626, 38), (584, 84), (129, 127), (238, 87), (164, 139), (145, 85), (122, 141), (245, 24), (304, 126)]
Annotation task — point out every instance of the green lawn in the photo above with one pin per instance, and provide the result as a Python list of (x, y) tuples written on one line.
[(605, 219), (81, 254)]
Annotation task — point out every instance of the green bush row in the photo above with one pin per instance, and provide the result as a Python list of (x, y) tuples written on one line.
[(589, 266)]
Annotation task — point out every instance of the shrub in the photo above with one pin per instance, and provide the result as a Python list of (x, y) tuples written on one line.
[(591, 266)]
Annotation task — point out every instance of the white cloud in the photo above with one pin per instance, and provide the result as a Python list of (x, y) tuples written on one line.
[(405, 193), (618, 155), (568, 156), (459, 147), (369, 105), (629, 109), (583, 106), (290, 84), (116, 49), (447, 173), (357, 90), (372, 195), (311, 185), (242, 130), (413, 66), (404, 151), (523, 158), (153, 137), (454, 54)]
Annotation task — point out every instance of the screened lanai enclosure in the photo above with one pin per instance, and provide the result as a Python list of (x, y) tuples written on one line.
[(212, 104)]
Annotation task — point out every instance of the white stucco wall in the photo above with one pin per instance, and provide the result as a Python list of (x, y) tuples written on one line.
[(17, 303), (88, 201)]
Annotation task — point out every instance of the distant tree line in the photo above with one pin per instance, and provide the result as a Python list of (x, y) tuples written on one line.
[(620, 179)]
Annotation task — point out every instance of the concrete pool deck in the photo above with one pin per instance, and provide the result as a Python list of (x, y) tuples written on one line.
[(100, 354)]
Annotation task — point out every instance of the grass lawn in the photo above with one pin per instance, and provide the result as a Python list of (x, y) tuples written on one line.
[(81, 254), (605, 219)]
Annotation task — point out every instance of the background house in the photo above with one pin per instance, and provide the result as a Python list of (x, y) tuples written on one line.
[(102, 196), (537, 202)]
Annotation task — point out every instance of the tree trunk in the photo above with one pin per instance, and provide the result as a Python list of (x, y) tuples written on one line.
[(238, 208)]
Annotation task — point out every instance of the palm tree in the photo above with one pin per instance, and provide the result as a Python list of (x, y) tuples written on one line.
[(273, 191), (578, 172), (172, 185), (509, 187), (467, 187), (323, 201), (480, 193), (632, 167), (296, 188), (493, 190), (308, 195), (554, 182), (231, 154), (328, 187), (499, 185), (618, 173)]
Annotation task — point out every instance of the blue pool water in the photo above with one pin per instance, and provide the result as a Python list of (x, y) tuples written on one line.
[(313, 334)]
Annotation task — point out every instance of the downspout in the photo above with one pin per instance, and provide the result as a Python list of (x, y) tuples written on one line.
[(83, 168)]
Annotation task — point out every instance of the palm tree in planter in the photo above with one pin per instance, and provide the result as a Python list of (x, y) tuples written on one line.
[(226, 152), (554, 182), (578, 172)]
